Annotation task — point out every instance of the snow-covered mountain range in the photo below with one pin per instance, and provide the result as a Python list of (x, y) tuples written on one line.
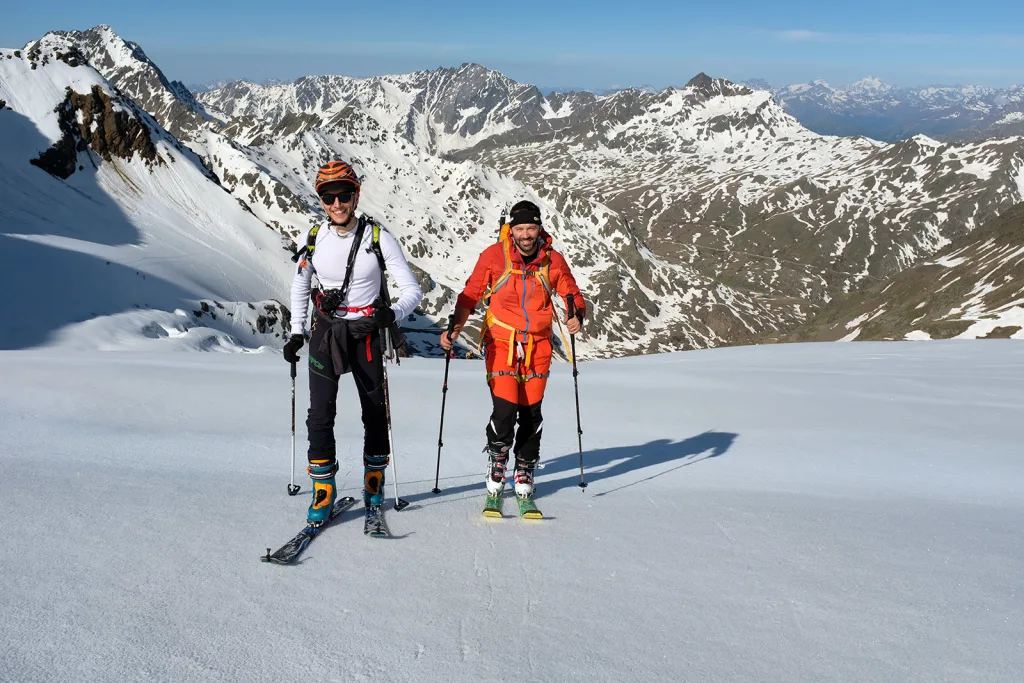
[(882, 111), (693, 217), (715, 180), (868, 107)]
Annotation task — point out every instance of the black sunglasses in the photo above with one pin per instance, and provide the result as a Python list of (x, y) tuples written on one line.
[(329, 197)]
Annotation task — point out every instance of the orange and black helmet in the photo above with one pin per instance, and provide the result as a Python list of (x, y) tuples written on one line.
[(336, 172)]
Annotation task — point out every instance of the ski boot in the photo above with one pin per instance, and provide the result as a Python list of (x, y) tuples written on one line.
[(324, 491), (373, 479), (497, 458), (524, 491), (524, 481), (373, 494)]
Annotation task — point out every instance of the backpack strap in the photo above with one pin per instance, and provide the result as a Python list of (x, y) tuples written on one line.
[(385, 297), (350, 265), (352, 253), (390, 352), (542, 274), (306, 252)]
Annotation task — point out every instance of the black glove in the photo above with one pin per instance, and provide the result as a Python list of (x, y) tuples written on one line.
[(384, 316), (291, 348)]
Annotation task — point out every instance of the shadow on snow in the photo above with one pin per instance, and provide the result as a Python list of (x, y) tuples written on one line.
[(603, 463)]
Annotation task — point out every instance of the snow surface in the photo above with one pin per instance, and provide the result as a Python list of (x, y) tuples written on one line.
[(1010, 315), (827, 512), (851, 336), (36, 97)]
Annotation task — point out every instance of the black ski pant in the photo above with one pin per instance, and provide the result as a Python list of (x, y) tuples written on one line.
[(367, 366), (502, 426)]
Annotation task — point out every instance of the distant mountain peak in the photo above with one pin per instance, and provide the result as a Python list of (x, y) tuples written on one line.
[(869, 84), (757, 84), (700, 81), (711, 87)]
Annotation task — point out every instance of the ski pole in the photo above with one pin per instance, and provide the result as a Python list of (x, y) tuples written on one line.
[(292, 488), (389, 352), (570, 307), (444, 397)]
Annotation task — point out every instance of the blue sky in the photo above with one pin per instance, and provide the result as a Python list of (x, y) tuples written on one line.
[(596, 44)]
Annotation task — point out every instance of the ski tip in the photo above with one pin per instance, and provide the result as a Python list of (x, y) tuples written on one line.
[(533, 514), (493, 514)]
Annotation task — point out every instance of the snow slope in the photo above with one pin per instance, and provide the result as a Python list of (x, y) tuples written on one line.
[(122, 233), (796, 513)]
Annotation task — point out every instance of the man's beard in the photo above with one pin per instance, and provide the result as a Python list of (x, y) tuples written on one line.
[(527, 249)]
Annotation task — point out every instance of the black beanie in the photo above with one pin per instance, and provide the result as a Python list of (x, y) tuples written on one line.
[(524, 212)]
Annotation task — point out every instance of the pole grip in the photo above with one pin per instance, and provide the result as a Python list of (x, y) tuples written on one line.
[(451, 348), (451, 330)]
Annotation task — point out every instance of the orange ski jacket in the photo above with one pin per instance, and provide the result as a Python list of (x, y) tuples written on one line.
[(519, 296)]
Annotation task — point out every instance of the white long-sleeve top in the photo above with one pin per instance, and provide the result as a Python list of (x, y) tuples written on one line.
[(330, 261)]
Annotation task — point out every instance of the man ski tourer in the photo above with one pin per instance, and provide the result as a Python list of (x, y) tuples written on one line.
[(519, 276), (348, 255)]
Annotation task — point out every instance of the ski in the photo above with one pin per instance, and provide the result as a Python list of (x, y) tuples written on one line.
[(291, 550), (492, 505), (528, 509), (374, 524)]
